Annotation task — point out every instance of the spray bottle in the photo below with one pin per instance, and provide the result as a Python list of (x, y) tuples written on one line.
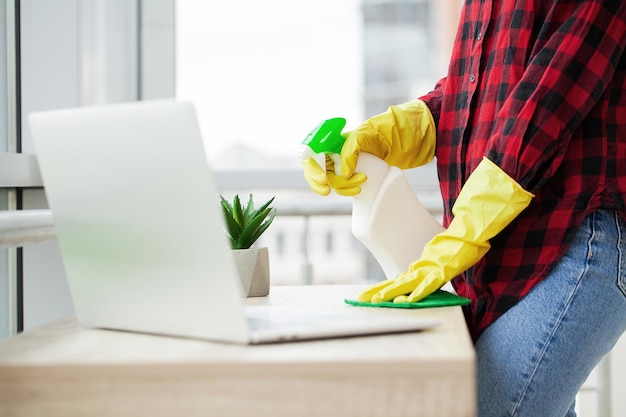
[(387, 216)]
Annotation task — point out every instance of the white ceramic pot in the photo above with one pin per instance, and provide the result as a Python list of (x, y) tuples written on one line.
[(253, 266)]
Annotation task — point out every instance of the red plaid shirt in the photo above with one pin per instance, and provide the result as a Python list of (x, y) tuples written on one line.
[(539, 88)]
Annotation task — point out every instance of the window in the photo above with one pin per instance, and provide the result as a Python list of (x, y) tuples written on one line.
[(263, 74), (65, 54)]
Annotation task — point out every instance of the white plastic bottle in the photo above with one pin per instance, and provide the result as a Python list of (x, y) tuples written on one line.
[(388, 218)]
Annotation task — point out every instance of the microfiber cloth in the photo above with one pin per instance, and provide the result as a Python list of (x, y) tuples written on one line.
[(439, 298)]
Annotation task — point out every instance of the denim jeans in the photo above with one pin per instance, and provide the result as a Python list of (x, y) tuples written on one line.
[(533, 360)]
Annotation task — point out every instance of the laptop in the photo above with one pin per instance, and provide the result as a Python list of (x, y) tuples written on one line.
[(137, 216)]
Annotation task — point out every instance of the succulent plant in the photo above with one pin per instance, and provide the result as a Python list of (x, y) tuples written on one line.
[(244, 225)]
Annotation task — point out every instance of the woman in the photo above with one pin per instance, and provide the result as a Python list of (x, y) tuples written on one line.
[(529, 131)]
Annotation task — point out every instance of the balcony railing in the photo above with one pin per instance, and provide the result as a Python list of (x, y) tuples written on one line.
[(293, 200), (310, 241)]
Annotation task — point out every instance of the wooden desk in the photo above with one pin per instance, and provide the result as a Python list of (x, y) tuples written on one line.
[(65, 370)]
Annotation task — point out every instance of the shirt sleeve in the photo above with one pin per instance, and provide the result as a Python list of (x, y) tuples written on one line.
[(562, 82), (434, 98)]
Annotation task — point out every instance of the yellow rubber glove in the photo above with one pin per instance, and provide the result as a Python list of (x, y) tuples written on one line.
[(487, 203), (322, 181), (403, 136)]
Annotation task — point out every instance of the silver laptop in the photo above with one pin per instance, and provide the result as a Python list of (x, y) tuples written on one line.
[(141, 233)]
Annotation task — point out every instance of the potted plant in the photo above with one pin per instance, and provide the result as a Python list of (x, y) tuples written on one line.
[(244, 226)]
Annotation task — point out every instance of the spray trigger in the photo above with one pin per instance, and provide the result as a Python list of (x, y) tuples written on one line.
[(324, 139)]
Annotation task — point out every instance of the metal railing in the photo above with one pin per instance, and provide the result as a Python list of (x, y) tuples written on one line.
[(18, 228), (30, 226)]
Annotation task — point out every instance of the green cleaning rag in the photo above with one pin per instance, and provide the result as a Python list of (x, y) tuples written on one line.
[(439, 298)]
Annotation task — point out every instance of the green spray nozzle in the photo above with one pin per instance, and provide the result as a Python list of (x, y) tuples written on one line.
[(324, 139)]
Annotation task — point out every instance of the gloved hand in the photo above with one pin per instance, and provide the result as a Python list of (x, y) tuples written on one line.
[(403, 136), (322, 181), (487, 203)]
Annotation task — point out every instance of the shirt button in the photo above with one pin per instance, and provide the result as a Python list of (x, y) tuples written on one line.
[(472, 78), (479, 36)]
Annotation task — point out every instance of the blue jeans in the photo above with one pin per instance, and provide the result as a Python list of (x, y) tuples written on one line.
[(533, 360)]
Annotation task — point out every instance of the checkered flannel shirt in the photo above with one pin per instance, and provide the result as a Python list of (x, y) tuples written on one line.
[(539, 88)]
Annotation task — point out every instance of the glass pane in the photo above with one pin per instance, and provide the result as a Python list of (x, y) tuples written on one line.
[(398, 35), (263, 74), (5, 290), (4, 129), (108, 51)]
